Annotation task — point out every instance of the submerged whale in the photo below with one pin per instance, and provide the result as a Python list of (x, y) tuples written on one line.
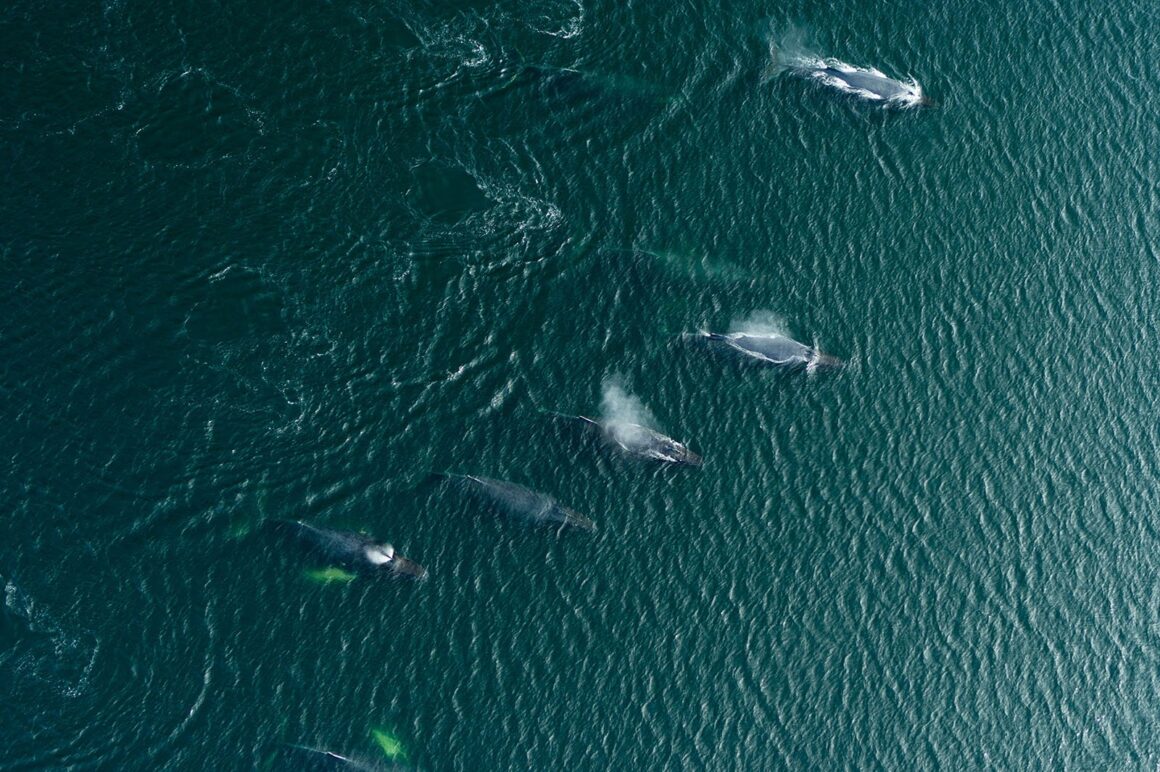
[(637, 441), (522, 503), (353, 550), (776, 349), (308, 759), (865, 82)]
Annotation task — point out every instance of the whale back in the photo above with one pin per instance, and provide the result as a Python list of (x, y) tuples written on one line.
[(643, 442), (877, 84), (332, 544), (523, 503), (775, 349)]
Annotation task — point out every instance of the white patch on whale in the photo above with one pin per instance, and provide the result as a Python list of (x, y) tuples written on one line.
[(380, 555)]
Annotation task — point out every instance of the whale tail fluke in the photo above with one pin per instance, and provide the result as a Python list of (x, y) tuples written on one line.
[(820, 361), (776, 64), (434, 478)]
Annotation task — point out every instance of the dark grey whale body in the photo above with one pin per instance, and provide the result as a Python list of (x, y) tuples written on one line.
[(638, 441), (521, 503), (776, 349), (351, 550)]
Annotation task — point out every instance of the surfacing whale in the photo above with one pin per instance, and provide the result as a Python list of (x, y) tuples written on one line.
[(352, 550), (521, 503), (637, 441), (866, 82), (776, 349)]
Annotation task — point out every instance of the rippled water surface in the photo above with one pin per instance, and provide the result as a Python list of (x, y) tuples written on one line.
[(284, 260)]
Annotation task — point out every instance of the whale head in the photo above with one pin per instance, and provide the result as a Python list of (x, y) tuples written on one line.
[(675, 452)]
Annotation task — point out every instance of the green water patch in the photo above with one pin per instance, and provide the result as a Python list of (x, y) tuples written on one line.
[(330, 575), (391, 745), (246, 518)]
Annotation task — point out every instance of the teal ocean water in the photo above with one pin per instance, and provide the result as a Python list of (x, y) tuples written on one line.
[(283, 260)]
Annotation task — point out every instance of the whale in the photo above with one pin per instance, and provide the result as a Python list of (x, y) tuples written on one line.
[(520, 503), (355, 551), (776, 349), (308, 759), (868, 83), (636, 441)]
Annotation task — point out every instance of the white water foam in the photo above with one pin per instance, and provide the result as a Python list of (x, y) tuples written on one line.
[(570, 28), (764, 323), (624, 416)]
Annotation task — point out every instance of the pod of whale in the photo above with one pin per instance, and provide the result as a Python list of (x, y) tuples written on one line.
[(352, 550), (521, 503), (636, 440), (775, 349)]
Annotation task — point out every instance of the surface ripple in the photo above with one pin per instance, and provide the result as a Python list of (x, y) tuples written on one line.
[(285, 261)]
